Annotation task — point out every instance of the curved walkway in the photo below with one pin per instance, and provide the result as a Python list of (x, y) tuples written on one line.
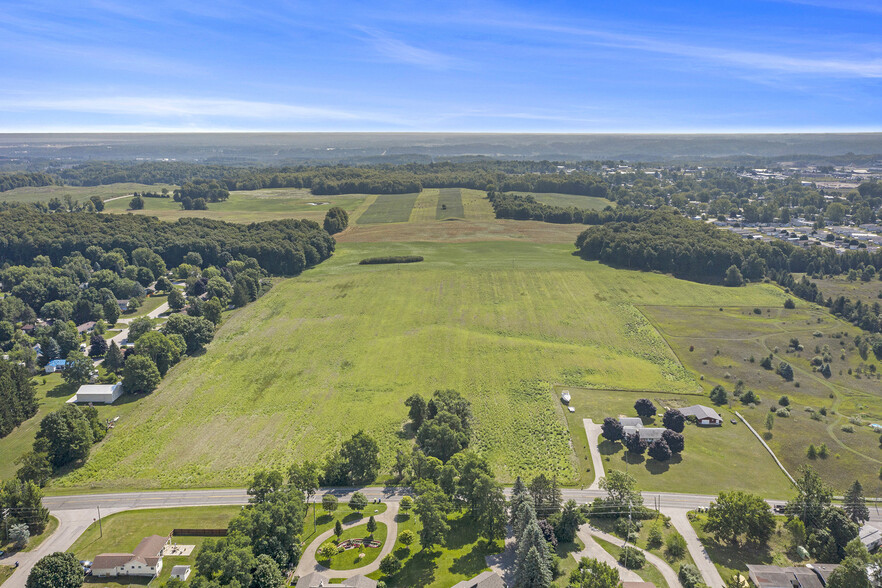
[(592, 430), (309, 563), (666, 570)]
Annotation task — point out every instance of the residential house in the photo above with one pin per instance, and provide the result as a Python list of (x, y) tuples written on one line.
[(483, 580), (86, 327), (871, 537), (56, 365), (704, 415), (634, 426), (809, 576), (145, 560)]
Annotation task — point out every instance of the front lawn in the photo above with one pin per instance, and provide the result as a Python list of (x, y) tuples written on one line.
[(731, 559), (648, 572), (325, 521), (462, 557)]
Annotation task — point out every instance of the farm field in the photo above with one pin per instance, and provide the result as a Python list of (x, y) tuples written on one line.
[(250, 206), (715, 459), (498, 321), (719, 344), (449, 204), (388, 208), (82, 193), (568, 200), (123, 531)]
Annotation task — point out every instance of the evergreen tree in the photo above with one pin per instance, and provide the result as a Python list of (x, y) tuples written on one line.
[(534, 571), (523, 515), (855, 505), (531, 539), (113, 359)]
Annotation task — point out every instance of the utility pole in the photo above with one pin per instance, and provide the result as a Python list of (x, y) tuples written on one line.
[(100, 529)]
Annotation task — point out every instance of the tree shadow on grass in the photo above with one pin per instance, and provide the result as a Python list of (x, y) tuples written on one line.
[(631, 459), (323, 519), (402, 552), (402, 517), (352, 517), (61, 390), (656, 467), (418, 570), (738, 556), (607, 447)]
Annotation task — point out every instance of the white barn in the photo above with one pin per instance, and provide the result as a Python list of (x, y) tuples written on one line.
[(98, 393)]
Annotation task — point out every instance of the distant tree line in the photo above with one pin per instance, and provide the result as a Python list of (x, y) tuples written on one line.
[(11, 181), (282, 247), (525, 207)]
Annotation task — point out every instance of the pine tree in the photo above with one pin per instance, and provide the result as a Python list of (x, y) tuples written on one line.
[(113, 359), (518, 493), (533, 572), (531, 539), (522, 517), (855, 505), (338, 528)]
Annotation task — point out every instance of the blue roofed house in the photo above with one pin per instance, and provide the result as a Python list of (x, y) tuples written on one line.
[(56, 365)]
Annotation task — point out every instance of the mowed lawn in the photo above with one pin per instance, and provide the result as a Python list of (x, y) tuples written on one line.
[(716, 458), (449, 204), (389, 208), (341, 347)]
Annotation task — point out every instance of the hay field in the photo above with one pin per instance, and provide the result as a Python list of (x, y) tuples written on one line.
[(340, 347)]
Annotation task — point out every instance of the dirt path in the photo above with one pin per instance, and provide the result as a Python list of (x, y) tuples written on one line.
[(593, 432), (309, 563), (702, 560)]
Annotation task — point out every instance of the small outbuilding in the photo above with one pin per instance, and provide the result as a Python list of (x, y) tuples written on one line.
[(98, 393), (483, 580), (704, 415), (181, 573), (871, 537)]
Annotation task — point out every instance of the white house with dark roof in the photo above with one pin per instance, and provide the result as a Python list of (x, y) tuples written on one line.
[(145, 560), (704, 415)]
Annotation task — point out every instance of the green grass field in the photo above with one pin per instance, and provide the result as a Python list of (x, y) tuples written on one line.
[(569, 200), (498, 321), (388, 208), (722, 343), (250, 206), (80, 193), (449, 204)]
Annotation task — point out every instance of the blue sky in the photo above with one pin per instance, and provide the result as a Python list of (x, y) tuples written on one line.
[(625, 66)]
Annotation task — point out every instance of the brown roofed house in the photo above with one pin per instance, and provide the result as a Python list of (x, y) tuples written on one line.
[(145, 560)]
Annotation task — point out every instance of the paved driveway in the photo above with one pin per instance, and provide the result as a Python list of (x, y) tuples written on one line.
[(702, 560), (592, 430)]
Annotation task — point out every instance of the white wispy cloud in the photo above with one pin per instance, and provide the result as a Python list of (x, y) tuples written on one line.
[(847, 5), (182, 107), (401, 52), (838, 66)]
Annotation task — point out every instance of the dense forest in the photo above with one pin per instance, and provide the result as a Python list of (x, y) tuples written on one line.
[(283, 247), (22, 179), (17, 400)]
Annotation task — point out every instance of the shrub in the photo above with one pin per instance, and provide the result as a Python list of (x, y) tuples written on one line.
[(848, 429), (655, 540), (789, 304), (718, 395), (783, 413), (766, 362), (784, 401), (390, 565), (675, 546), (689, 576), (632, 558), (391, 259), (750, 397)]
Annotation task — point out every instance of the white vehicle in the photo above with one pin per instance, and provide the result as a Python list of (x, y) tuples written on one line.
[(565, 396)]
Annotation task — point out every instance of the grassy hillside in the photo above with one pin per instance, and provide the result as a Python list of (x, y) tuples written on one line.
[(341, 347), (81, 193)]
